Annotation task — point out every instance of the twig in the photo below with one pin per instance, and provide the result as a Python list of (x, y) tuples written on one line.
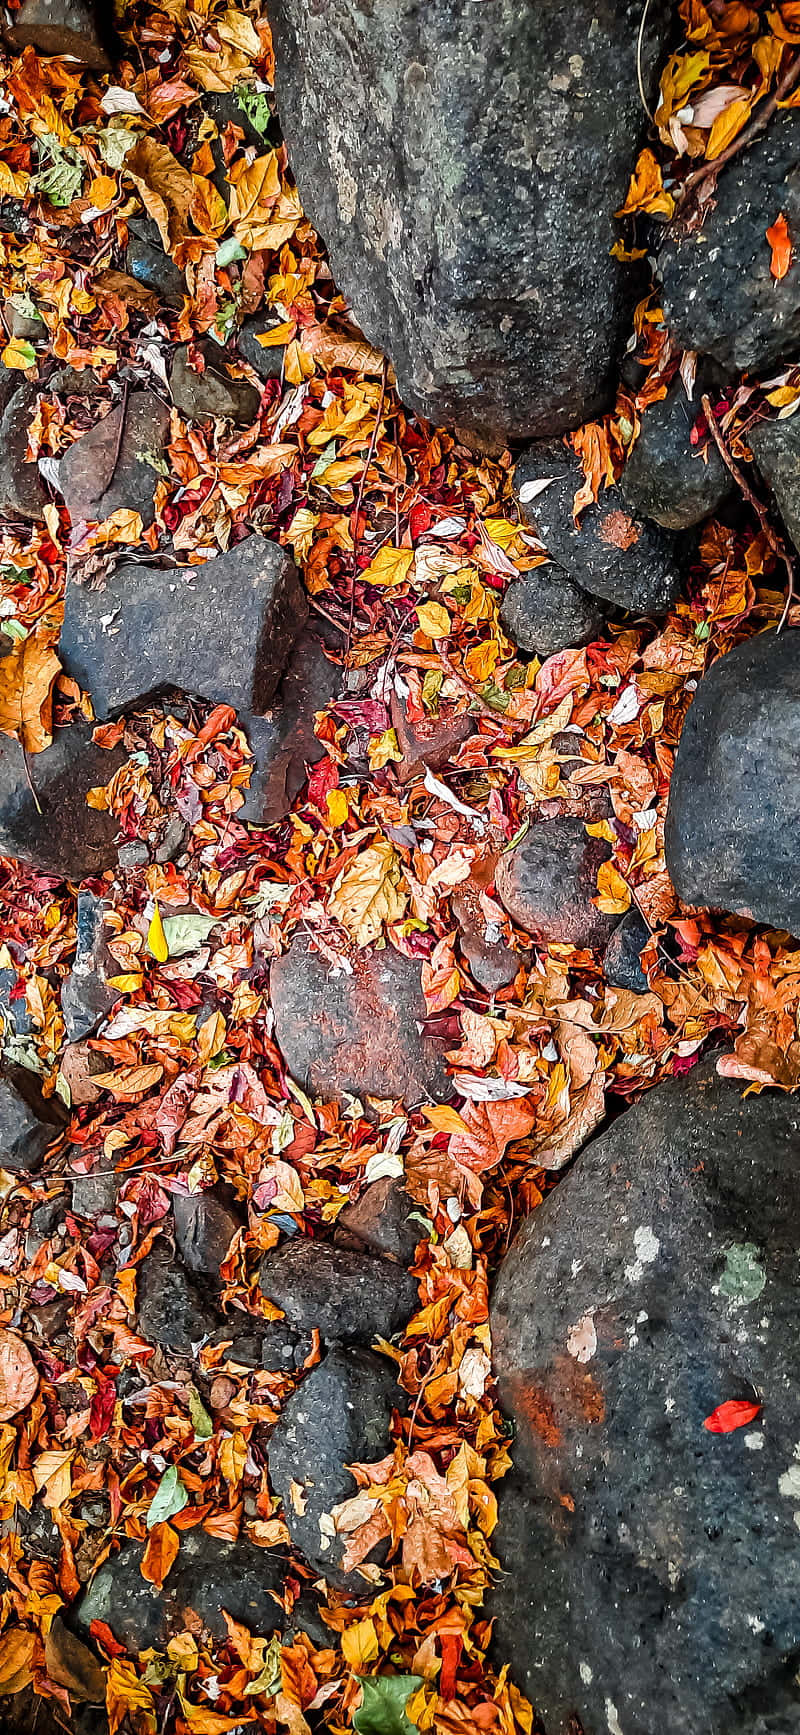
[(774, 542), (709, 171), (359, 501), (120, 436), (36, 801), (639, 47)]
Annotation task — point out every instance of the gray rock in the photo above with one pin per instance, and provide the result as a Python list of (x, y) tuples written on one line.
[(222, 630), (15, 1019), (776, 448), (492, 964), (75, 382), (29, 1122), (731, 830), (61, 27), (719, 296), (172, 1310), (340, 1415), (62, 836), (267, 363), (146, 260), (23, 325), (467, 198), (611, 552), (355, 1033), (548, 880), (212, 392), (381, 1222), (544, 612), (113, 466), (350, 1296), (647, 1561), (95, 1195), (132, 855), (623, 954), (22, 492), (283, 743), (429, 743), (208, 1575), (176, 832), (665, 477), (85, 994), (204, 1228)]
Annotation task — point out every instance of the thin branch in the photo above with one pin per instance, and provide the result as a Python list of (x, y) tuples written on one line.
[(709, 171), (778, 548), (639, 47), (361, 486)]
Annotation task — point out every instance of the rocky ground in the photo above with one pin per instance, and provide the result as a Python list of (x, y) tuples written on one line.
[(398, 991)]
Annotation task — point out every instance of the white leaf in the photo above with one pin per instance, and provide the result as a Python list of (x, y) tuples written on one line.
[(119, 101), (477, 1089), (626, 707), (384, 1165), (529, 490)]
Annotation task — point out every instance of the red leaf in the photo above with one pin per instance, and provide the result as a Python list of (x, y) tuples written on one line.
[(324, 778), (735, 1414), (780, 242)]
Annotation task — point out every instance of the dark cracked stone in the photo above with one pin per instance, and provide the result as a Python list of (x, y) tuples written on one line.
[(730, 837), (340, 1415), (348, 1295), (208, 1575), (265, 360), (204, 1228), (776, 448), (381, 1222), (667, 478), (622, 958), (222, 630), (85, 994), (611, 552), (29, 1122), (548, 880), (22, 492), (212, 392), (468, 204), (61, 27), (545, 612), (283, 743), (719, 296), (649, 1562), (61, 835), (172, 1311), (356, 1032), (112, 467)]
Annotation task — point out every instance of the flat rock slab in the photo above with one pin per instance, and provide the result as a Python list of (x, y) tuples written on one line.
[(29, 1122), (347, 1294), (107, 470), (222, 630), (547, 883), (667, 478), (734, 801), (355, 1033), (648, 1561), (62, 836), (545, 612), (340, 1415), (612, 552), (468, 205), (776, 448), (22, 493), (61, 27), (208, 1575), (283, 743), (719, 296)]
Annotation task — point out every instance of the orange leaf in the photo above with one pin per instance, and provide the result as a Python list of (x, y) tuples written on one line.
[(160, 1554), (27, 675), (780, 242), (17, 1646)]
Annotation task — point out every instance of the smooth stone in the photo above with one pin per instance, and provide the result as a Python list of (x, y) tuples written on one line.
[(95, 1195), (611, 553), (213, 392), (545, 612), (548, 880), (106, 469), (62, 837), (29, 1121), (492, 964), (266, 362), (622, 956), (348, 1295), (665, 477)]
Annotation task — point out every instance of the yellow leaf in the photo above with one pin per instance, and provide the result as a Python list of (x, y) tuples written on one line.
[(19, 354), (391, 566), (646, 191), (337, 805), (277, 334), (445, 1120), (360, 1646), (382, 748), (127, 983), (204, 1722), (128, 1697), (102, 192), (727, 126), (434, 620), (156, 938), (27, 676), (52, 1474), (615, 897), (366, 894), (17, 1647)]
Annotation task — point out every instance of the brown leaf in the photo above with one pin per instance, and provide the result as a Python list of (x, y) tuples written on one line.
[(166, 188), (27, 676), (18, 1376), (587, 1111), (71, 1664)]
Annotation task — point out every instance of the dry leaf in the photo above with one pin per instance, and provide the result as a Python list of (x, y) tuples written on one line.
[(27, 676), (71, 1663), (167, 189), (780, 242), (160, 1554), (368, 893), (18, 1376), (17, 1647)]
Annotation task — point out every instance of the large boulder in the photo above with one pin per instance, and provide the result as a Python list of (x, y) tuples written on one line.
[(22, 493), (44, 816), (719, 295), (650, 1563), (463, 167), (776, 448), (611, 552), (207, 1577), (666, 477), (734, 801)]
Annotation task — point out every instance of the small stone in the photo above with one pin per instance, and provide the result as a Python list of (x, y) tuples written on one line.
[(222, 630), (112, 467), (85, 994), (381, 1222), (611, 553), (348, 1295), (25, 325), (545, 612), (267, 361), (73, 382), (95, 1195), (176, 832), (283, 743), (665, 477), (208, 1575), (622, 956), (29, 1122), (430, 742), (171, 1310), (65, 28), (355, 1033), (492, 964), (204, 1229), (146, 260), (66, 839), (548, 880), (340, 1415), (212, 392), (776, 449), (133, 855), (730, 837), (22, 492)]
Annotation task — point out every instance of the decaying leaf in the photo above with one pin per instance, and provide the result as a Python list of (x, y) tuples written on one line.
[(18, 1377), (28, 673), (369, 893)]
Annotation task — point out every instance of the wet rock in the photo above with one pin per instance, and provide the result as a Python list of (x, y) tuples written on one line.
[(66, 838), (429, 743), (222, 630), (356, 1032), (492, 964), (340, 1415), (547, 883), (208, 1575), (85, 994), (61, 27), (776, 448), (667, 478), (348, 1295), (68, 382), (266, 362), (95, 1195), (204, 1228), (283, 743), (146, 260), (24, 325), (381, 1222), (719, 296), (29, 1122), (469, 210), (648, 1561), (611, 553), (114, 466), (212, 392), (622, 959), (544, 612), (176, 832), (172, 1310), (22, 492), (15, 1019), (731, 829), (10, 382), (262, 1343)]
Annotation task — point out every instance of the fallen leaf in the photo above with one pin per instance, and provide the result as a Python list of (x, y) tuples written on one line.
[(18, 1377), (390, 567), (368, 893), (736, 1413), (780, 242), (17, 1649), (156, 938), (160, 1554), (27, 676), (166, 187)]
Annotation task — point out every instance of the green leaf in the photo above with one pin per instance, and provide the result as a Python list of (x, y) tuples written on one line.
[(170, 1497), (201, 1420), (229, 250), (187, 933), (324, 461), (60, 172), (255, 104), (383, 1706)]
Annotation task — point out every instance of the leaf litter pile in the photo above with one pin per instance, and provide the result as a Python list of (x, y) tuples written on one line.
[(406, 541)]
